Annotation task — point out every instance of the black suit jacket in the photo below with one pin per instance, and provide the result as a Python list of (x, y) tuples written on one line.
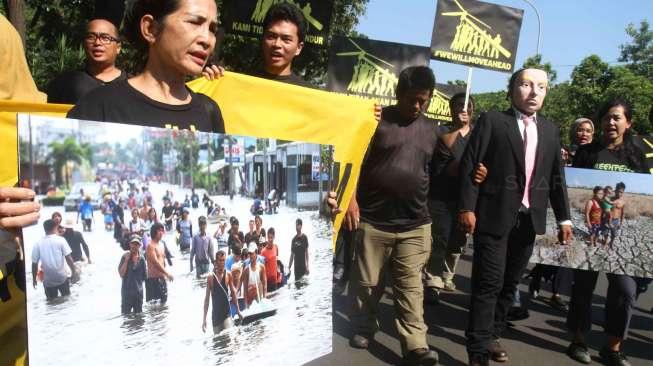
[(498, 144)]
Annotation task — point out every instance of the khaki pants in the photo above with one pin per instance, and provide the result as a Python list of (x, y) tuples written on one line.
[(406, 254)]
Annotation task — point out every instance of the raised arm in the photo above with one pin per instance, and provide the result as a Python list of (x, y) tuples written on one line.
[(124, 263)]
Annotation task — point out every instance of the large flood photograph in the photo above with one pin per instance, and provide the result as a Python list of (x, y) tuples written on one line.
[(162, 246)]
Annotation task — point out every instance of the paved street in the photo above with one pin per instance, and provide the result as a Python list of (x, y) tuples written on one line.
[(539, 340)]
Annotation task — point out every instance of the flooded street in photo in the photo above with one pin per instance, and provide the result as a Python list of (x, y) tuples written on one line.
[(87, 327)]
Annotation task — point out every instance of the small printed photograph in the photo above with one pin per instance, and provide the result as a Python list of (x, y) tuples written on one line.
[(612, 215), (163, 246)]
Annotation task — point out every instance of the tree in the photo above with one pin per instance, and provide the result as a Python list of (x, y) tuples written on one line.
[(639, 53), (492, 101), (588, 82), (60, 154), (15, 10), (535, 62), (637, 90), (461, 83)]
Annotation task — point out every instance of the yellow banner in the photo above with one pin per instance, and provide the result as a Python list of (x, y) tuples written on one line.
[(251, 107)]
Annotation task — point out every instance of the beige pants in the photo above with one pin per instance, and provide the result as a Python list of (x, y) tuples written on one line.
[(405, 254)]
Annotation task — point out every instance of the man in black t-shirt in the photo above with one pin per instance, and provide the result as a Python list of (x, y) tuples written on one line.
[(168, 213), (236, 237), (299, 252), (284, 28), (102, 46), (76, 242), (394, 217)]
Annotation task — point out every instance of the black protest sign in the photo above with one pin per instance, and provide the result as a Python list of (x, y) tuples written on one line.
[(439, 107), (369, 68), (245, 17), (645, 143), (477, 34)]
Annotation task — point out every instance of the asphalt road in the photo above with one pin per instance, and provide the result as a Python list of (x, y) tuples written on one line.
[(539, 340)]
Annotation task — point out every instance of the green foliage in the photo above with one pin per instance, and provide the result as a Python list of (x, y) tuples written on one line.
[(61, 153), (53, 201), (55, 29), (639, 53), (535, 62), (493, 101)]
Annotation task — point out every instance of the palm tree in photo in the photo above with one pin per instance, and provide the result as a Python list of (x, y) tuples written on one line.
[(60, 154)]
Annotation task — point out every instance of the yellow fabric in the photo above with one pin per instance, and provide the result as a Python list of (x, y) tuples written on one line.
[(257, 107), (251, 107), (16, 82)]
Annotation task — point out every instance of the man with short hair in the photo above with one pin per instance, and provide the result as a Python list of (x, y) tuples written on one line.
[(521, 151), (299, 252), (53, 253), (220, 289), (102, 46), (76, 242), (155, 284), (133, 272), (167, 213), (270, 252), (284, 28), (201, 249), (394, 218)]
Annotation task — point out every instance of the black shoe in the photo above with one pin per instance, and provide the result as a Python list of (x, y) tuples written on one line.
[(479, 359), (431, 296), (517, 313), (420, 357), (359, 341), (613, 358), (559, 304), (497, 352), (579, 352)]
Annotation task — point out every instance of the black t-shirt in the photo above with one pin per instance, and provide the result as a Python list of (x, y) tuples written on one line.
[(132, 283), (444, 187), (122, 103), (394, 179), (231, 242), (70, 86), (289, 79), (625, 158), (75, 241), (167, 212), (298, 247)]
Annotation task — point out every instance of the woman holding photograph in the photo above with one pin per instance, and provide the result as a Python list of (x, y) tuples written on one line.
[(616, 151), (176, 39)]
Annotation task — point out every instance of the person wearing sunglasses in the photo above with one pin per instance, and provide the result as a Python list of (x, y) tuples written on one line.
[(101, 46)]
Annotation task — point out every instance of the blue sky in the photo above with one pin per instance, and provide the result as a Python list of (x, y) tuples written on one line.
[(635, 183), (571, 30)]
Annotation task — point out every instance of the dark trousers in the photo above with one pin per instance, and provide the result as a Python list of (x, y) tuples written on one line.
[(619, 303), (55, 291), (560, 277), (343, 257), (497, 267), (132, 302)]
